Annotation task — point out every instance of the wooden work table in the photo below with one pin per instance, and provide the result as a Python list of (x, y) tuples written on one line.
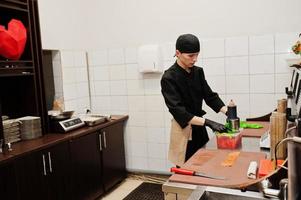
[(209, 161)]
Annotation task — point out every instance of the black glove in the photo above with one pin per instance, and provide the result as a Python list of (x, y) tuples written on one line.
[(215, 126)]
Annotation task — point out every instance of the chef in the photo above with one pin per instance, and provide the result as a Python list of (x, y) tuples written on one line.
[(184, 88)]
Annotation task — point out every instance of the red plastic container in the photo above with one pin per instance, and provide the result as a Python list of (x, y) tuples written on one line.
[(228, 141)]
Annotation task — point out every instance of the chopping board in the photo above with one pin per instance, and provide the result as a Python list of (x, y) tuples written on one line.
[(209, 161), (249, 132)]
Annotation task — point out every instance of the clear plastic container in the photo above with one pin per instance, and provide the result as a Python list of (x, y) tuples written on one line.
[(228, 140)]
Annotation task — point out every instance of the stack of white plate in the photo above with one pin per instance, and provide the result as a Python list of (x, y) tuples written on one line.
[(30, 127), (11, 130)]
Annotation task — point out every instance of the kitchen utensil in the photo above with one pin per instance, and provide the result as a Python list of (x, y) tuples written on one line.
[(92, 119), (194, 173), (63, 115), (66, 125), (234, 125)]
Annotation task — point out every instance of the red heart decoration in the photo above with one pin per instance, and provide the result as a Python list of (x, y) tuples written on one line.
[(13, 40)]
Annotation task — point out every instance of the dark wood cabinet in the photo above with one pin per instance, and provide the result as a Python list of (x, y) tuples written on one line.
[(113, 155), (83, 165), (44, 174), (86, 166), (8, 185), (31, 176), (98, 161), (58, 171)]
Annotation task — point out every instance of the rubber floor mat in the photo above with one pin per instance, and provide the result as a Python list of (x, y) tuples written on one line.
[(146, 191)]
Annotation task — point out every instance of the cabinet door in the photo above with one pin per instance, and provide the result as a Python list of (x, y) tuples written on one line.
[(86, 167), (31, 176), (8, 185), (58, 171), (113, 155)]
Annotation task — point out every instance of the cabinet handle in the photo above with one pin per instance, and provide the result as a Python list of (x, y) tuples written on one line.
[(100, 145), (104, 140), (44, 165), (50, 163)]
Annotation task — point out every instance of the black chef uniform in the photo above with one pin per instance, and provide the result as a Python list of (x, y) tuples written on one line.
[(184, 94)]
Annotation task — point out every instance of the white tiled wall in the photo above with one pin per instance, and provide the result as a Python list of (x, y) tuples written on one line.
[(71, 79), (251, 70)]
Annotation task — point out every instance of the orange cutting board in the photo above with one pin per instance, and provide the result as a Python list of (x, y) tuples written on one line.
[(209, 161)]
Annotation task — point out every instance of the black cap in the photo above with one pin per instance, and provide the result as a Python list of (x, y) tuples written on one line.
[(188, 43)]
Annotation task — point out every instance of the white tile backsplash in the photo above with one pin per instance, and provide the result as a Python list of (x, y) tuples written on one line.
[(156, 150), (70, 105), (116, 56), (136, 103), (154, 119), (137, 118), (137, 134), (82, 89), (80, 59), (237, 65), (130, 55), (139, 148), (135, 87), (236, 46), (262, 83), (282, 81), (83, 104), (101, 102), (100, 73), (132, 72), (102, 87), (156, 165), (117, 72), (154, 103), (237, 84), (217, 83), (81, 74), (139, 163), (282, 64), (213, 48), (118, 87), (70, 91), (155, 135), (67, 59), (263, 44), (262, 104), (285, 41), (69, 75), (119, 103), (262, 64), (169, 50), (214, 66), (98, 58), (152, 86)]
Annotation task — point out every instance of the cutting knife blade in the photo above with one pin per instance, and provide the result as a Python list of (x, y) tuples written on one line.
[(193, 173), (209, 176)]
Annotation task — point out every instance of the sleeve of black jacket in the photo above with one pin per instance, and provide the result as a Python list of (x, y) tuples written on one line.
[(211, 98), (174, 102)]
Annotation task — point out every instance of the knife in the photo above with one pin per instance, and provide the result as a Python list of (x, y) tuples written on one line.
[(194, 173)]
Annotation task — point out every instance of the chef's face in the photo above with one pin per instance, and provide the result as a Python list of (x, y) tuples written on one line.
[(187, 60)]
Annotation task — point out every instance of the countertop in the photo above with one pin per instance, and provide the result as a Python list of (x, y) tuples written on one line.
[(50, 139)]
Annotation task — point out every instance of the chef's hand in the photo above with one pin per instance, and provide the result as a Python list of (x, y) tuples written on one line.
[(215, 126)]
